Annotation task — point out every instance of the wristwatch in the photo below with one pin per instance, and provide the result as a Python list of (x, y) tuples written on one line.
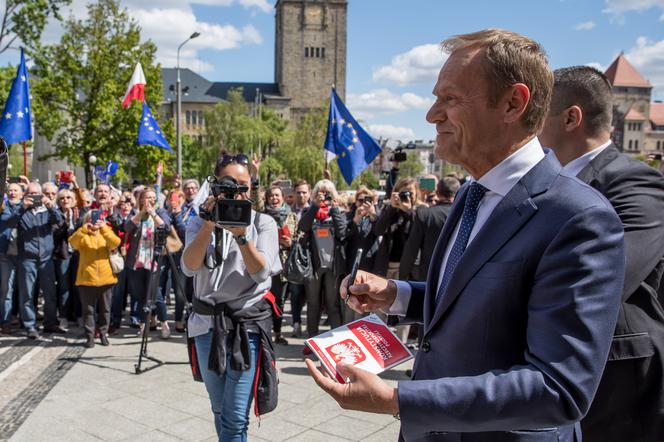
[(241, 240)]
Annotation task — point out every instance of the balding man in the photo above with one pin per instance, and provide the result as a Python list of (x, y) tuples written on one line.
[(519, 304), (629, 405), (35, 222)]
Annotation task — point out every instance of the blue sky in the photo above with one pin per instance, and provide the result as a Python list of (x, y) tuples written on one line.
[(392, 53)]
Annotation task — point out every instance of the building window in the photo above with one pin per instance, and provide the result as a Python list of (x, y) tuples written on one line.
[(630, 145), (636, 144), (322, 52), (306, 52), (317, 52), (188, 117), (658, 145), (200, 118)]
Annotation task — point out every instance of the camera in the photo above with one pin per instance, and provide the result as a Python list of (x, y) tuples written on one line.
[(405, 195), (160, 235), (399, 155), (227, 210), (328, 197), (36, 199)]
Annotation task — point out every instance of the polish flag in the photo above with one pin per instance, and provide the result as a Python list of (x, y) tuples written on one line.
[(136, 88)]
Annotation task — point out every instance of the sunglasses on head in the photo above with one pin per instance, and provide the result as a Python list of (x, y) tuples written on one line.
[(238, 159)]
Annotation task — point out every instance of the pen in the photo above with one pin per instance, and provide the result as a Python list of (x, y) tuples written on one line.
[(353, 274)]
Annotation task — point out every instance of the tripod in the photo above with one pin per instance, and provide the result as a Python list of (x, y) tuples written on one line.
[(153, 285)]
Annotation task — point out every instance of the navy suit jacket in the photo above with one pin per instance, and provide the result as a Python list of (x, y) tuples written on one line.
[(516, 348)]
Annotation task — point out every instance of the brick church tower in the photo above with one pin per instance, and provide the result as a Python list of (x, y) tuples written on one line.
[(310, 52)]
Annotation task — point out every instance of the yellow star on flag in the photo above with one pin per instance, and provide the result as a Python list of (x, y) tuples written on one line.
[(343, 154), (350, 125), (342, 121), (350, 147), (354, 132), (355, 139)]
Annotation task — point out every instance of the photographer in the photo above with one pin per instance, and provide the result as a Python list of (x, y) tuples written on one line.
[(276, 207), (139, 261), (325, 226), (232, 269), (125, 212), (9, 252), (65, 262), (394, 223)]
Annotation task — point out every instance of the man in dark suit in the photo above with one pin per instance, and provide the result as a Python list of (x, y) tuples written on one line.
[(520, 301), (629, 404), (425, 231)]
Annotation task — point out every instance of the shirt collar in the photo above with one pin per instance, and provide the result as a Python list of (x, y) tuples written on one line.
[(578, 164), (508, 172)]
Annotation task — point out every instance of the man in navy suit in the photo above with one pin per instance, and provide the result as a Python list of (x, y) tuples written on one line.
[(523, 289)]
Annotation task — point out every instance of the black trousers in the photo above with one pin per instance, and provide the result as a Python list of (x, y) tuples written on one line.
[(324, 287), (277, 290), (90, 297)]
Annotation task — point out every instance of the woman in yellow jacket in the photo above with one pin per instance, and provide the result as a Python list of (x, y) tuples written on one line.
[(94, 277)]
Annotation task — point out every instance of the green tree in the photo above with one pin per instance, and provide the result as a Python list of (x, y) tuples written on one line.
[(23, 21), (412, 167), (79, 83)]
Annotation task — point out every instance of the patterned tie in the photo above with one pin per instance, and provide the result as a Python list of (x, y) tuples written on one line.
[(475, 195)]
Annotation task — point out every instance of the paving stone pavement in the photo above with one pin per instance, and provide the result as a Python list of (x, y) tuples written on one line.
[(54, 389)]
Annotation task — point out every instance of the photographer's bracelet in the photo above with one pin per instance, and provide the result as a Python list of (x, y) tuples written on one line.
[(241, 240)]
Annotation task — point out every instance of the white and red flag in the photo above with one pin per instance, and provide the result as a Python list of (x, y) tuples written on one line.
[(136, 88)]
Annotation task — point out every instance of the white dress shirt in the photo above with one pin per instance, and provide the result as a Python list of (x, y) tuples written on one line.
[(578, 164), (498, 182)]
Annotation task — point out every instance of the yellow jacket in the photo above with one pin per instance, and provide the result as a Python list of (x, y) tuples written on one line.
[(94, 265)]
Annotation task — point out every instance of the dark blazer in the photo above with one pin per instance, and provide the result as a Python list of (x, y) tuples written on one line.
[(515, 349), (629, 405), (361, 236), (390, 222), (337, 222), (422, 239)]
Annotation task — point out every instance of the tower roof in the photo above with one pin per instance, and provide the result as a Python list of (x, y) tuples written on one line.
[(657, 113), (634, 115), (622, 73)]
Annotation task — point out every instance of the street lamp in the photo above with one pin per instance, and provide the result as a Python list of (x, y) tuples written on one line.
[(179, 106), (93, 162)]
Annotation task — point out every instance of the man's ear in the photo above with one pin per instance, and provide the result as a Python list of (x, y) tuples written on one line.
[(572, 118), (516, 101)]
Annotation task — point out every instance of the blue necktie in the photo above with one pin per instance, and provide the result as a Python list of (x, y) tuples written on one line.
[(475, 195)]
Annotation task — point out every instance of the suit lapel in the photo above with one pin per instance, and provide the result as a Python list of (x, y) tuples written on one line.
[(589, 173), (439, 252), (515, 209)]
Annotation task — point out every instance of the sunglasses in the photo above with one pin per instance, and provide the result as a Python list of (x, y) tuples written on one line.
[(238, 159), (364, 200)]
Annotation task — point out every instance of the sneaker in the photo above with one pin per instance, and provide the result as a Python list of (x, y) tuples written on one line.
[(104, 340), (54, 329), (278, 339), (90, 343), (33, 333), (64, 324), (297, 330), (165, 330)]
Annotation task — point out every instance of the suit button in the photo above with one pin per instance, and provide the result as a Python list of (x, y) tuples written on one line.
[(426, 346)]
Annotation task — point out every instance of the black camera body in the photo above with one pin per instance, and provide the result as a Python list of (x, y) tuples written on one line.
[(160, 235), (399, 155), (328, 197), (227, 210), (405, 195)]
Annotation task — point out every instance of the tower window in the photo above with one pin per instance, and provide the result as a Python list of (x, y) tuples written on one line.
[(200, 118), (636, 144), (317, 52), (322, 52), (193, 118), (188, 117), (630, 145), (306, 52)]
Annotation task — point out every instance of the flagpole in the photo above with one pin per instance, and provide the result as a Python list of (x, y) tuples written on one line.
[(25, 158)]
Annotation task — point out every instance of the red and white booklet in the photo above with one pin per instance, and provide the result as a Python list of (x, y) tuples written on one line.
[(366, 343)]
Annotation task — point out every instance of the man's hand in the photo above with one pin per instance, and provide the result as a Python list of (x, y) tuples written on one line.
[(255, 168), (27, 202), (364, 392), (48, 203), (369, 292)]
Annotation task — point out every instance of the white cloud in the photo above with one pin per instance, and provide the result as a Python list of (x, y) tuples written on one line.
[(648, 58), (419, 65), (585, 26), (617, 8), (172, 22), (382, 101), (596, 65), (390, 131)]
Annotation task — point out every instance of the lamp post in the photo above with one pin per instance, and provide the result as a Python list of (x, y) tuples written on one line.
[(93, 162), (179, 106)]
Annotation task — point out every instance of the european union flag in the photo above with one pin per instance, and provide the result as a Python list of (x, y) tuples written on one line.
[(149, 131), (15, 122), (354, 148), (104, 173)]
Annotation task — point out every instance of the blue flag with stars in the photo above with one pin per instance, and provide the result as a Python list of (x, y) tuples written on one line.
[(355, 149), (104, 173), (15, 122), (149, 131)]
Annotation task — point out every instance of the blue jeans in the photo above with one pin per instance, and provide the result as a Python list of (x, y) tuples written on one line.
[(7, 278), (230, 394), (28, 272), (63, 274)]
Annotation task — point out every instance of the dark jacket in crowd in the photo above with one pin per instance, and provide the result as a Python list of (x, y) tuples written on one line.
[(132, 236), (61, 233), (629, 403), (361, 235), (424, 232), (8, 219), (391, 223), (337, 223), (35, 232)]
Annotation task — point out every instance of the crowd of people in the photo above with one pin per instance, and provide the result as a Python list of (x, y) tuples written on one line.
[(60, 244)]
